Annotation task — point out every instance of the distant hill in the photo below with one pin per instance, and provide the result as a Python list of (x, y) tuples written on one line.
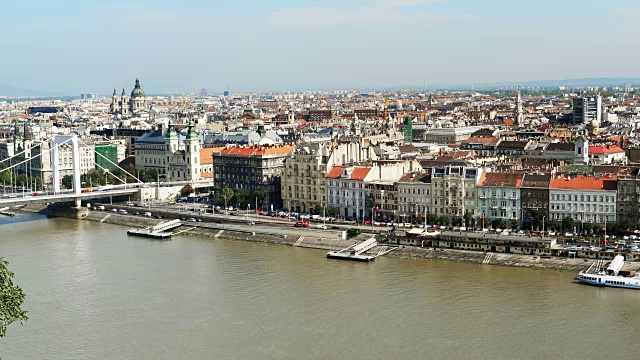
[(6, 90), (615, 81)]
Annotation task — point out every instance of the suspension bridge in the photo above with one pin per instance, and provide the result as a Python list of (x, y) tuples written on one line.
[(77, 193)]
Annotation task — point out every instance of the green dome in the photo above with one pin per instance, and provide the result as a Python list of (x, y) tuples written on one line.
[(137, 90)]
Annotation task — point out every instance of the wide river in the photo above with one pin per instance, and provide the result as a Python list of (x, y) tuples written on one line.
[(95, 293)]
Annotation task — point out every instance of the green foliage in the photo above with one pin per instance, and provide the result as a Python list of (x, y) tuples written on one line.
[(227, 194), (499, 223), (11, 298), (317, 209), (468, 219), (242, 195), (67, 181), (260, 195), (333, 211), (567, 224), (5, 176)]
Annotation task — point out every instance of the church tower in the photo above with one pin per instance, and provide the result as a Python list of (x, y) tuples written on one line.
[(518, 116), (581, 152), (114, 108), (192, 152)]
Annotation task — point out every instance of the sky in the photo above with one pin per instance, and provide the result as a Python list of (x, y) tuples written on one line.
[(74, 46)]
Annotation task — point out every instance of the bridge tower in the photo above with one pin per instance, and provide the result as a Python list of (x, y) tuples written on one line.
[(75, 163)]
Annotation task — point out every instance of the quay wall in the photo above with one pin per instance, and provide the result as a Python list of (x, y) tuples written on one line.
[(315, 242)]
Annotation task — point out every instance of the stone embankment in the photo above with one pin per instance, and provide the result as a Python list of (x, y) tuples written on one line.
[(315, 240), (477, 257)]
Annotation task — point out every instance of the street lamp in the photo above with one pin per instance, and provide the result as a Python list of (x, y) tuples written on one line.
[(543, 225)]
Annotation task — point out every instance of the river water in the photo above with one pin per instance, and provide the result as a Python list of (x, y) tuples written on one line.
[(94, 293)]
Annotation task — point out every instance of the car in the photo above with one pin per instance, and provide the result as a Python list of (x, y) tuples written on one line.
[(551, 233), (251, 223), (233, 213), (463, 228), (376, 223), (114, 210), (158, 217), (147, 214), (321, 227), (101, 207), (367, 222), (568, 234), (301, 224), (192, 220), (122, 211)]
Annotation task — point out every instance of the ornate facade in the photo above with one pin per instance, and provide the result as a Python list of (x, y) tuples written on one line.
[(129, 105)]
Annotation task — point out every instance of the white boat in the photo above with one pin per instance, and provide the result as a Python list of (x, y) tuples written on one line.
[(601, 274)]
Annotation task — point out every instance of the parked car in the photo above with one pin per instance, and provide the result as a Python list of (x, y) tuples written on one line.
[(101, 207), (301, 224), (233, 213), (321, 227), (122, 211), (251, 223), (147, 214), (192, 220), (367, 222)]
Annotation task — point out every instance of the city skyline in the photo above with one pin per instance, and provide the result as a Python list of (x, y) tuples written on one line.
[(77, 47)]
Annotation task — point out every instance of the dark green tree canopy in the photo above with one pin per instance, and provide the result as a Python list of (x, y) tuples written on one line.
[(11, 298)]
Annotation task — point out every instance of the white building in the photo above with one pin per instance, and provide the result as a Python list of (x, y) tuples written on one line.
[(583, 199), (609, 154)]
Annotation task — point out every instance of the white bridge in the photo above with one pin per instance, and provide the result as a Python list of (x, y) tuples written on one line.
[(77, 194)]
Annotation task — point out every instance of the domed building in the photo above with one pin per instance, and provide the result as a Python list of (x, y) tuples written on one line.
[(128, 106)]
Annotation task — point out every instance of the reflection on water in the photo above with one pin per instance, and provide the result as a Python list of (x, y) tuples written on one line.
[(94, 293)]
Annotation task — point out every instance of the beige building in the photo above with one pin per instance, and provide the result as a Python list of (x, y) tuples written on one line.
[(454, 190), (304, 182)]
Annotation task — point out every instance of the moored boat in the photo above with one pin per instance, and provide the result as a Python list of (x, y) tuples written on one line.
[(601, 274)]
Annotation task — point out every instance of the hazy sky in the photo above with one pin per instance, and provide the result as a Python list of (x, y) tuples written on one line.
[(75, 46)]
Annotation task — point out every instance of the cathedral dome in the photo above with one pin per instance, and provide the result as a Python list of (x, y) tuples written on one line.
[(137, 90)]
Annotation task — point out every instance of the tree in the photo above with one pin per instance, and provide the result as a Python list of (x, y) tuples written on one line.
[(333, 211), (537, 216), (186, 190), (468, 218), (67, 181), (242, 195), (567, 224), (317, 209), (11, 298), (500, 223), (259, 195), (227, 194)]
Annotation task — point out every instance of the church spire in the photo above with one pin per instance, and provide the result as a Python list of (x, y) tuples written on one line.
[(518, 116), (191, 133)]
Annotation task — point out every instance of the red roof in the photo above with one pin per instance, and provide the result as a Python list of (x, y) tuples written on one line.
[(360, 173), (609, 149), (585, 183), (335, 172), (501, 179)]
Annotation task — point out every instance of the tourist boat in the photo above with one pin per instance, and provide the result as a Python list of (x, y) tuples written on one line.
[(601, 274)]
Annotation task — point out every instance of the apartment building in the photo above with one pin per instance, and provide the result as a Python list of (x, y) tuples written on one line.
[(499, 198), (583, 198), (454, 190)]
